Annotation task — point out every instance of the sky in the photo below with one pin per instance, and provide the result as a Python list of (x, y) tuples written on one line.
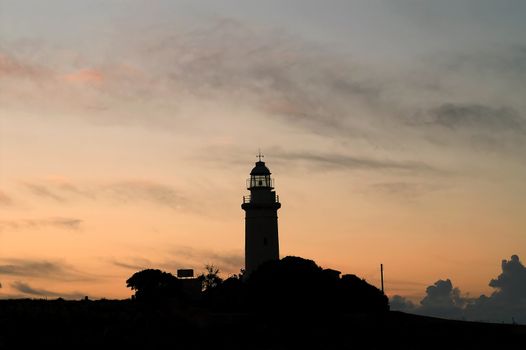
[(395, 131)]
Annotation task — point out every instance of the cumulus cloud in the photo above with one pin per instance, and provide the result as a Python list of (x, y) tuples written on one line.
[(511, 283), (442, 300), (506, 304), (26, 289), (60, 223), (400, 303)]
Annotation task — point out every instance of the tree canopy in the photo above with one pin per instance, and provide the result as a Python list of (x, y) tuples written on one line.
[(292, 284), (153, 284)]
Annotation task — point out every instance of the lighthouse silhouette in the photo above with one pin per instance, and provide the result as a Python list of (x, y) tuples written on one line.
[(261, 218)]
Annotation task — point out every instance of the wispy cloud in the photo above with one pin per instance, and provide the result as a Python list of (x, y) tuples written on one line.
[(135, 263), (85, 76), (404, 189), (331, 161), (186, 257), (502, 64), (472, 126), (478, 117), (5, 200), (59, 223), (146, 191), (283, 76), (129, 191), (43, 191), (26, 289), (45, 269), (291, 80), (228, 261), (11, 66)]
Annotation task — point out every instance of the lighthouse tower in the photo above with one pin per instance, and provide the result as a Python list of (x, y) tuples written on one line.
[(261, 218)]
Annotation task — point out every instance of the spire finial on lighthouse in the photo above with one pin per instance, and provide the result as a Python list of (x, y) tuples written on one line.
[(260, 155)]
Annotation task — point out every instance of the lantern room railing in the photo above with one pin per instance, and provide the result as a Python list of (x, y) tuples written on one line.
[(248, 199)]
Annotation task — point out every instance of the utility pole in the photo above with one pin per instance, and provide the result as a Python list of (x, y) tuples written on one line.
[(382, 276)]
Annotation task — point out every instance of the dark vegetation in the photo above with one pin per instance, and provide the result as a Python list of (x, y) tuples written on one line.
[(286, 304), (296, 286), (154, 285)]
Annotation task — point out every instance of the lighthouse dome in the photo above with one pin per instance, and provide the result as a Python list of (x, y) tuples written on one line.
[(260, 169)]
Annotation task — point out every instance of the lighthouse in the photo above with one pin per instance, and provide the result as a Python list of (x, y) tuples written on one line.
[(261, 218)]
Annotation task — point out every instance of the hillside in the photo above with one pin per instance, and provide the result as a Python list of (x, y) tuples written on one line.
[(129, 324)]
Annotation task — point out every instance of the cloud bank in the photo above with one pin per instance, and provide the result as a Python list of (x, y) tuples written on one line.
[(286, 78), (506, 304)]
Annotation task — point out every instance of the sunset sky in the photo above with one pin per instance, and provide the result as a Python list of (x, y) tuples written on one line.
[(395, 131)]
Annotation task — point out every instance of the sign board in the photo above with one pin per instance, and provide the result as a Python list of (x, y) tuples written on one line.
[(185, 273)]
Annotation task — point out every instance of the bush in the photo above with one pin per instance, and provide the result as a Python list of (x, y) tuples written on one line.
[(154, 285), (298, 285)]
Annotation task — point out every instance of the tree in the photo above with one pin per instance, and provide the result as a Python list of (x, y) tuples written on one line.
[(290, 284), (356, 295), (300, 286), (151, 285), (211, 279)]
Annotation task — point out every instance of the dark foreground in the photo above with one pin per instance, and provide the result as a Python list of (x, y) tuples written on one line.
[(127, 324)]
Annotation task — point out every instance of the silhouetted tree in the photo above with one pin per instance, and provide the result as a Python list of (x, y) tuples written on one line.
[(240, 275), (211, 278), (152, 285), (356, 295), (291, 283), (299, 285), (229, 296)]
